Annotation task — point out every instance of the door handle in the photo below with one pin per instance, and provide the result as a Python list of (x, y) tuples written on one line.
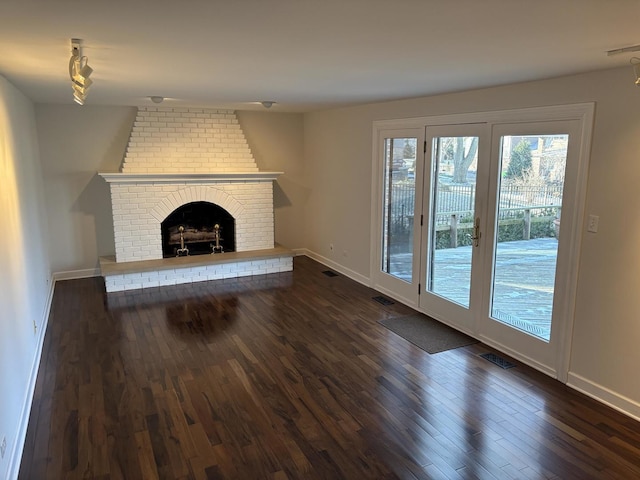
[(476, 232)]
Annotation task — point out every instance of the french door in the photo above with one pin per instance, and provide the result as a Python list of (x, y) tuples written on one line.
[(484, 252), (454, 202), (533, 180), (397, 262)]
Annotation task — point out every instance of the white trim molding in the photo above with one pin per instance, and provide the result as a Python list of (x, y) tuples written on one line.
[(226, 177), (604, 395), (347, 272), (75, 274), (16, 450)]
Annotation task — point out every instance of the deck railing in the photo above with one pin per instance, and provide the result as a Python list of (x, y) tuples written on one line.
[(525, 205)]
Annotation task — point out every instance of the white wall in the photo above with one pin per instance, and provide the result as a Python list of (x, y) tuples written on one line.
[(605, 353), (77, 142), (24, 269), (276, 141)]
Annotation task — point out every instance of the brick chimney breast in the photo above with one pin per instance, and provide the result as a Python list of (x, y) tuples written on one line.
[(181, 140)]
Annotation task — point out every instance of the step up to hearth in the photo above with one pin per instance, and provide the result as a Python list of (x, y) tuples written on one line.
[(178, 270)]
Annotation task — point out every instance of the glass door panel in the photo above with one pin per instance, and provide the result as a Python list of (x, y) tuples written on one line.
[(453, 193), (456, 175), (532, 191), (396, 226), (399, 204), (529, 206)]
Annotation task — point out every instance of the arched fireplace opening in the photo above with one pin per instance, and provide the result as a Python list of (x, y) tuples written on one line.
[(198, 228)]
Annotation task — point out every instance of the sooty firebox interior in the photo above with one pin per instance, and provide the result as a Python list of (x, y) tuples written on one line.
[(191, 230)]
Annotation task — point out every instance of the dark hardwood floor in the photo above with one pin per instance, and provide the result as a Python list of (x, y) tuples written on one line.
[(290, 376)]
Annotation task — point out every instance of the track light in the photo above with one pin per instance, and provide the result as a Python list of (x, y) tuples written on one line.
[(617, 51), (82, 71), (635, 61), (79, 93), (79, 72), (79, 90)]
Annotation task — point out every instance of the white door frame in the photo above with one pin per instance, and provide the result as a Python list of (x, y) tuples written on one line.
[(435, 306), (402, 291), (538, 353)]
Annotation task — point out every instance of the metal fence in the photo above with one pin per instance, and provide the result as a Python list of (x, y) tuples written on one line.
[(460, 199)]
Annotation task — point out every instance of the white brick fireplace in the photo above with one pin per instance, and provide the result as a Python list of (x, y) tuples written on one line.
[(176, 157)]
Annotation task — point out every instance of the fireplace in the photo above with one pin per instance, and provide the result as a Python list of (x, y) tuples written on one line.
[(190, 168), (198, 228)]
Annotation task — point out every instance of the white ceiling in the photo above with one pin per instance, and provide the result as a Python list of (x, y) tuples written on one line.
[(304, 54)]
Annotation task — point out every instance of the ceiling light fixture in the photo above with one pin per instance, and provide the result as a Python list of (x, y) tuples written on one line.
[(635, 61), (79, 72), (267, 103), (617, 51), (156, 99)]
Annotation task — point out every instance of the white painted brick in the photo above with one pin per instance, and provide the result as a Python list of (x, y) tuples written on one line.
[(216, 136), (188, 140), (196, 274)]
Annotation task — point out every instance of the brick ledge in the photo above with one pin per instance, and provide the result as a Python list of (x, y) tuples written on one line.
[(220, 177), (108, 265)]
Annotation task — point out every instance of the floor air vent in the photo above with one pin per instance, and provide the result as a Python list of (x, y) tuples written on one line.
[(329, 273), (501, 362), (383, 300)]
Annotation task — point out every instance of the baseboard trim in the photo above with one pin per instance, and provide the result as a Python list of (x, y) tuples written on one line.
[(347, 272), (75, 274), (18, 447), (602, 394)]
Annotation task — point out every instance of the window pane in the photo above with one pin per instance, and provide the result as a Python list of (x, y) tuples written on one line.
[(399, 201), (453, 210), (528, 227)]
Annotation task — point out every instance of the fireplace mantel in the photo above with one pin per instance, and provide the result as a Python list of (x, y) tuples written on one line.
[(224, 177)]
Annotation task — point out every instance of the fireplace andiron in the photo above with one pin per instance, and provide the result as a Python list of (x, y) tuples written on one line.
[(182, 251), (217, 248)]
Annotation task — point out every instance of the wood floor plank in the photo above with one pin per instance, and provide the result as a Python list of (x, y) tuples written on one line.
[(146, 456), (291, 376)]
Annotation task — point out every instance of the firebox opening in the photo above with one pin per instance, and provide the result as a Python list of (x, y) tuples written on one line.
[(198, 228)]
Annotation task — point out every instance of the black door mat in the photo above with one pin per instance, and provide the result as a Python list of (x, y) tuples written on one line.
[(427, 333), (501, 362), (329, 273), (383, 300)]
